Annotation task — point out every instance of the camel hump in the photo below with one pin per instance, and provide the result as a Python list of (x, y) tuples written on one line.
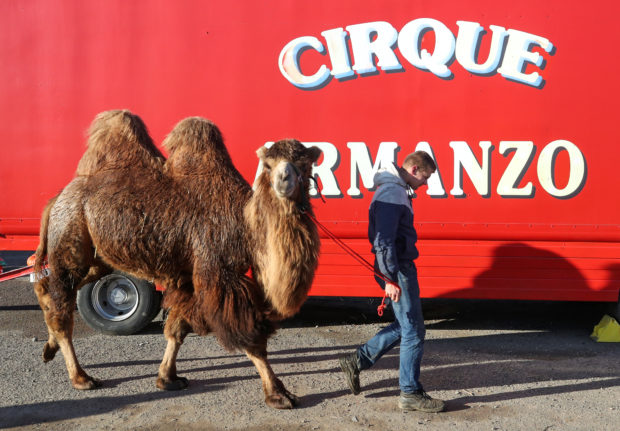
[(119, 139), (195, 146)]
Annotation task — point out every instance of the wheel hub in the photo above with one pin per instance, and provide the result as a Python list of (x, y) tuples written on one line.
[(115, 297), (118, 296)]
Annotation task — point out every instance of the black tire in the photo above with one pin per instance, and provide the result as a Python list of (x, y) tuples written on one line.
[(118, 304)]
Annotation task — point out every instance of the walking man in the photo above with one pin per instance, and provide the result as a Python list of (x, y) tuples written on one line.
[(393, 238)]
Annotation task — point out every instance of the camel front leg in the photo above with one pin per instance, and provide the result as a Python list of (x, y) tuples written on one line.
[(175, 331), (79, 378), (276, 395)]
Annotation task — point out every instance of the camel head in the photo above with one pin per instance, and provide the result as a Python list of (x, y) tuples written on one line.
[(285, 239), (287, 167)]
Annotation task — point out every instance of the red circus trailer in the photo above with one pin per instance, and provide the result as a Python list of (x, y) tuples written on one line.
[(514, 101)]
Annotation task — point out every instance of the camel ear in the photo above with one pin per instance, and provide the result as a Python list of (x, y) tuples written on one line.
[(314, 153), (261, 152)]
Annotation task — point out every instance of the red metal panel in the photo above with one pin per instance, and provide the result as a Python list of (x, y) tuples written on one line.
[(19, 242), (65, 61), (63, 64)]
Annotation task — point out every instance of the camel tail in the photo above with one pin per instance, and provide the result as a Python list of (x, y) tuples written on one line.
[(41, 252)]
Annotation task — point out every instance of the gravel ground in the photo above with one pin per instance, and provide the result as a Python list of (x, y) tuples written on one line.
[(501, 365)]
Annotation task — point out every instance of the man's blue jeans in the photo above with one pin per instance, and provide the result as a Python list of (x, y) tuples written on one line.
[(408, 330)]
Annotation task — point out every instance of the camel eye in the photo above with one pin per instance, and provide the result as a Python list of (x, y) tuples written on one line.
[(266, 166)]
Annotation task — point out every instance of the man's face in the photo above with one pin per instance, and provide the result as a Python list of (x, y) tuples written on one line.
[(416, 177)]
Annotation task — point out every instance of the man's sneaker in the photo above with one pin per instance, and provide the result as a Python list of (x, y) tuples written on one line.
[(420, 401), (351, 372)]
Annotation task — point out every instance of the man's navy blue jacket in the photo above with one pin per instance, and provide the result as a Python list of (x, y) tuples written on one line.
[(390, 223)]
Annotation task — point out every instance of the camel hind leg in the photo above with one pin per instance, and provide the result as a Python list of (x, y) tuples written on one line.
[(58, 304), (41, 289), (56, 294), (42, 292)]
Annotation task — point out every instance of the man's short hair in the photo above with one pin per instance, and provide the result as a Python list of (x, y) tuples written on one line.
[(422, 160)]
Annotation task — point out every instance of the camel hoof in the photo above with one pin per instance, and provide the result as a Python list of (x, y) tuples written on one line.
[(86, 383), (282, 401), (175, 384), (49, 352)]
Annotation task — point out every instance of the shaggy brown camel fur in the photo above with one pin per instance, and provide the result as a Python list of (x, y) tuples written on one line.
[(196, 227), (118, 139)]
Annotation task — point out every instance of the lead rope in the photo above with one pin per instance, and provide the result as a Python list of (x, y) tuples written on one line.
[(350, 251)]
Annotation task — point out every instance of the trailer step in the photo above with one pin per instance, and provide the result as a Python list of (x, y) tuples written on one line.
[(15, 273), (26, 270)]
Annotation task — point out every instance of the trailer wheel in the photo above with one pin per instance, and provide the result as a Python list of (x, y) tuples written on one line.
[(118, 304)]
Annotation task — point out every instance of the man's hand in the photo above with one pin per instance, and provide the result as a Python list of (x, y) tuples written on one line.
[(392, 291)]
